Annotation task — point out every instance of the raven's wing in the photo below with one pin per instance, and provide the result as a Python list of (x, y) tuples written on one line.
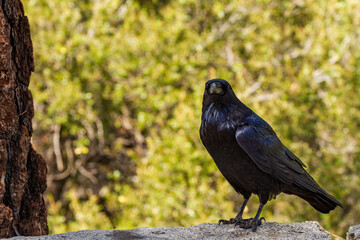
[(268, 153)]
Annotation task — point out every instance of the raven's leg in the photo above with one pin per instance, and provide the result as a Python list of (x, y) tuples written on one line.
[(255, 222), (238, 217)]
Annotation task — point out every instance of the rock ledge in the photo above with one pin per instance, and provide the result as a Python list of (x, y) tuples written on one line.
[(353, 233), (268, 230)]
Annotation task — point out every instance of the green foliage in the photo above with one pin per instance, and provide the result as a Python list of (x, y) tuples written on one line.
[(124, 81), (84, 214)]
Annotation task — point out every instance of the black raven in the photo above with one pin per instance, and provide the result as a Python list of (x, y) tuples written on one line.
[(250, 155)]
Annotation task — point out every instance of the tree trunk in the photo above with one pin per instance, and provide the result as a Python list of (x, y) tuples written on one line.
[(22, 170)]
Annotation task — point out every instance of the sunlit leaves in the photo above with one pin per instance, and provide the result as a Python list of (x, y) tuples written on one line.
[(138, 69)]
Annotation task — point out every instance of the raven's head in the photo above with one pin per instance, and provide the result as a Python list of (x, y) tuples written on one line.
[(221, 104), (217, 87), (218, 91)]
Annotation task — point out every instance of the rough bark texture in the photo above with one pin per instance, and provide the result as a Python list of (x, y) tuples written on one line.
[(22, 170)]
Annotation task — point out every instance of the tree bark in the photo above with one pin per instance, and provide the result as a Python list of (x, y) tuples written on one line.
[(22, 170)]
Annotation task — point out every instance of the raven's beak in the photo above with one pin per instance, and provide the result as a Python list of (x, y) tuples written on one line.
[(216, 87)]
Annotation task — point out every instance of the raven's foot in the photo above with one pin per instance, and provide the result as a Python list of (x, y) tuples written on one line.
[(250, 223), (231, 221), (234, 220)]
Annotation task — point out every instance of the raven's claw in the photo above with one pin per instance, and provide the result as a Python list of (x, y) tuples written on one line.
[(223, 221), (250, 223), (243, 222)]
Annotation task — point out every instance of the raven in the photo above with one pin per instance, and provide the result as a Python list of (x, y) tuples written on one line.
[(251, 157)]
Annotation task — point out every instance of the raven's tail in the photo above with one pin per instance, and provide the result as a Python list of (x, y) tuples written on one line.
[(305, 187), (323, 202)]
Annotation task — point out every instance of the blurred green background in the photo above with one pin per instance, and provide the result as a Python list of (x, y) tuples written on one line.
[(118, 91)]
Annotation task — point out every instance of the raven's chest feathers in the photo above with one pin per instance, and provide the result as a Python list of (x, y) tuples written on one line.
[(217, 125)]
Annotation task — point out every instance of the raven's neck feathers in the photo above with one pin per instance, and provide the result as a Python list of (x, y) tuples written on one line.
[(224, 109)]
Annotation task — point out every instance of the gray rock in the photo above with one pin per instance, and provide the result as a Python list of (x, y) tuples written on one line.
[(268, 230), (353, 233)]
